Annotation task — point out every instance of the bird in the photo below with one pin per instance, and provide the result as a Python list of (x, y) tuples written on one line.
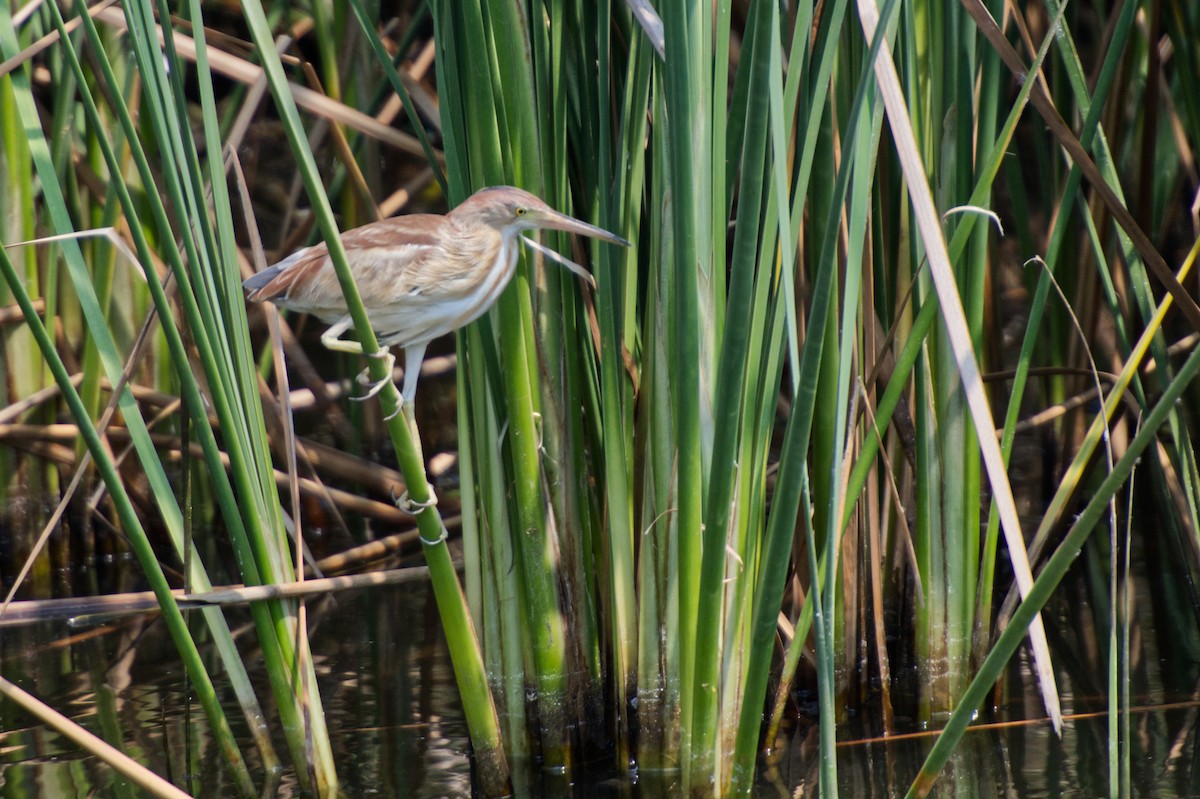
[(420, 276)]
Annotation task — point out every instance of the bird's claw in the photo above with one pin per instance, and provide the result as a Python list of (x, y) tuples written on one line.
[(375, 386), (406, 504)]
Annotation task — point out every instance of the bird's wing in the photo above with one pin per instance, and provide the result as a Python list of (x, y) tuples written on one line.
[(309, 272), (414, 229)]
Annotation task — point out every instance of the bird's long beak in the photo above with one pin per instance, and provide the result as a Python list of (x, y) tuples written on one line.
[(553, 220)]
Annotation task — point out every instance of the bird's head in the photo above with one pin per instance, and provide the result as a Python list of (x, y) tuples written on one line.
[(509, 208)]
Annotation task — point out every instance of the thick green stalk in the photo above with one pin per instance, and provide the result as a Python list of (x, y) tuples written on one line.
[(729, 390), (958, 488), (682, 111), (615, 399), (501, 146), (660, 657), (464, 650), (519, 134), (503, 630)]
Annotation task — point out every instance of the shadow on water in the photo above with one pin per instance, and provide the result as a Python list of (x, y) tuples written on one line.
[(397, 727)]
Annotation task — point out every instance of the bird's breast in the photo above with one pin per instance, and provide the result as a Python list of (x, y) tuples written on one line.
[(488, 269), (450, 286)]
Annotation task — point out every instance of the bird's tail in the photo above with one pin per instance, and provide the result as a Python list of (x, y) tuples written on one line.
[(258, 285)]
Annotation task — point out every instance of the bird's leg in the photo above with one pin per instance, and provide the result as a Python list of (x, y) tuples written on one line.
[(414, 354), (332, 340)]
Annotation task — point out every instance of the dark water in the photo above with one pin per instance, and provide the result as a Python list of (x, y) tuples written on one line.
[(397, 728), (388, 693)]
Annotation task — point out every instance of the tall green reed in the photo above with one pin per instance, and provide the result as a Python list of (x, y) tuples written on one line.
[(679, 369), (760, 406), (685, 374), (209, 289)]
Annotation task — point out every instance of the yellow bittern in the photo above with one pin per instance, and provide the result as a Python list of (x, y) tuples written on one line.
[(422, 275)]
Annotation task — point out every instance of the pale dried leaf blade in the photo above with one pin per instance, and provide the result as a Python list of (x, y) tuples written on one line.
[(45, 42), (118, 760), (650, 23), (561, 259), (242, 71), (929, 225), (975, 209), (111, 234)]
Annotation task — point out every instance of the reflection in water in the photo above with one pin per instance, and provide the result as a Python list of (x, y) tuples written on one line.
[(390, 701), (397, 728)]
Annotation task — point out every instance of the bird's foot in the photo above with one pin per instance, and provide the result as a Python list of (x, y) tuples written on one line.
[(406, 504), (375, 386)]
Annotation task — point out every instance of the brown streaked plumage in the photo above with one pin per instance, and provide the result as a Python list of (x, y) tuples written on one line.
[(420, 276)]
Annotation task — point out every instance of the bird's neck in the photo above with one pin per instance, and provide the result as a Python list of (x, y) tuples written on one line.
[(478, 245), (509, 242), (502, 260)]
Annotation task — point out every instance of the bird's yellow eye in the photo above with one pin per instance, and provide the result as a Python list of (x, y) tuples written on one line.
[(520, 211)]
